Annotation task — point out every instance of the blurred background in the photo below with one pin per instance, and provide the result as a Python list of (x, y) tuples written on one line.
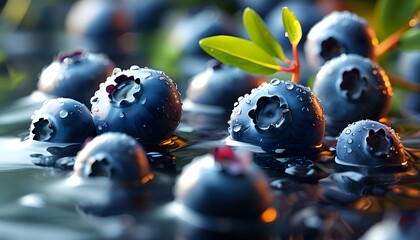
[(160, 34)]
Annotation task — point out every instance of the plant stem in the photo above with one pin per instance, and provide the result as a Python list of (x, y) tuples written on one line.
[(296, 67), (390, 42)]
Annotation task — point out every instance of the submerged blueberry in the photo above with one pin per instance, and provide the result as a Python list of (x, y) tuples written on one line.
[(215, 90), (62, 120), (339, 33), (140, 102), (225, 185), (75, 74), (352, 88), (368, 143), (116, 156), (279, 116)]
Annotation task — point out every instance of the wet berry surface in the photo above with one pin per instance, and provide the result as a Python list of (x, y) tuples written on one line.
[(139, 134)]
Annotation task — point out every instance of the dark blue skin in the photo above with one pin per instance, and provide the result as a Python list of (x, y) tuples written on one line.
[(352, 88), (368, 143), (140, 102), (220, 86), (62, 120), (223, 185), (277, 116), (339, 33), (75, 74), (117, 156)]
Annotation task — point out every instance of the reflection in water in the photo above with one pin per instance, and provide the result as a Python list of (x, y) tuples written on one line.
[(313, 196)]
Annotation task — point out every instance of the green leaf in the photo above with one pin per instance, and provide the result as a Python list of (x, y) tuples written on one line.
[(240, 53), (392, 15), (292, 26), (260, 35), (3, 57), (410, 40)]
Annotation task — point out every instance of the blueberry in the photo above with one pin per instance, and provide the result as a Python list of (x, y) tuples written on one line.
[(225, 185), (62, 120), (140, 102), (352, 88), (99, 26), (116, 156), (215, 90), (338, 33), (278, 116), (182, 49), (368, 143), (146, 14), (75, 74), (197, 24)]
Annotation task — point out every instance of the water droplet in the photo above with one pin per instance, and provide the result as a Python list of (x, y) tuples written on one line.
[(238, 111), (237, 128), (286, 34), (289, 86), (279, 150), (349, 150), (348, 131), (275, 82), (63, 114), (134, 67), (248, 101), (122, 115), (235, 104), (143, 100), (240, 98), (116, 71), (100, 128), (305, 109), (350, 141), (95, 109)]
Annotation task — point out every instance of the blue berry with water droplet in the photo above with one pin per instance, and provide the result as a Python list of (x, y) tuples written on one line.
[(140, 102), (216, 185), (368, 143), (339, 33), (279, 116), (116, 156), (62, 120), (75, 74), (218, 87), (352, 88)]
